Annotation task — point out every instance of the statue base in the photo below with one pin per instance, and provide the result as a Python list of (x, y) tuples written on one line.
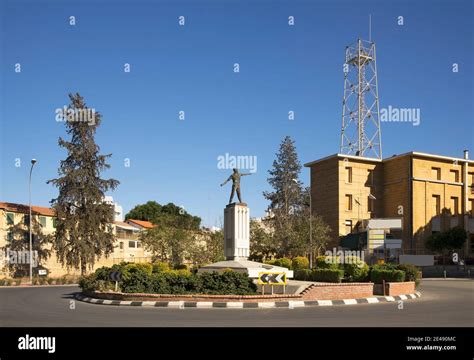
[(236, 231), (252, 268)]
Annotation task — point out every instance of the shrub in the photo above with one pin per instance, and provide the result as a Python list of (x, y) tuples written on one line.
[(36, 281), (283, 262), (327, 275), (227, 282), (270, 262), (389, 275), (88, 282), (355, 269), (17, 282), (327, 262), (300, 263), (411, 272), (160, 266), (91, 283), (50, 281), (138, 279), (2, 282), (9, 282), (303, 274)]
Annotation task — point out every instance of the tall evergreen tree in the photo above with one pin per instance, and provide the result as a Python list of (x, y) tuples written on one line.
[(286, 197), (284, 179), (83, 229)]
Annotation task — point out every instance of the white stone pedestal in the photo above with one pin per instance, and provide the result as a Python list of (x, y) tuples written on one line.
[(237, 244), (236, 231)]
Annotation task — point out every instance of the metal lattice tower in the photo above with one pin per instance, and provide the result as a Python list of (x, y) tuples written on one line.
[(360, 133)]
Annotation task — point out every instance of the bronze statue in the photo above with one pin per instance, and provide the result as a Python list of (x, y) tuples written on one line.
[(235, 177)]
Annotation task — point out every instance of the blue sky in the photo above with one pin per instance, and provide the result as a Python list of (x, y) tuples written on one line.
[(173, 68)]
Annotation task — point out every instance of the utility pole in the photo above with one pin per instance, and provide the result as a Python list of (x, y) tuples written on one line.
[(33, 162)]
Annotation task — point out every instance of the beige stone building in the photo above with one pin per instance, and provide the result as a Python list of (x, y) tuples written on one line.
[(429, 193), (127, 247)]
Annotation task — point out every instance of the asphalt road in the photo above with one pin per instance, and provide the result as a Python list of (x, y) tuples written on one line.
[(443, 303)]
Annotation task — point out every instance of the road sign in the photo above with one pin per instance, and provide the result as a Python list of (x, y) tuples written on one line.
[(115, 276), (272, 278)]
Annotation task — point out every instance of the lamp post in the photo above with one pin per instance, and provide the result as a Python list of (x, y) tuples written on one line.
[(310, 229), (33, 162)]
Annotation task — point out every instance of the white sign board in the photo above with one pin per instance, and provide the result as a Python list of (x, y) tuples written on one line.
[(395, 223), (42, 272)]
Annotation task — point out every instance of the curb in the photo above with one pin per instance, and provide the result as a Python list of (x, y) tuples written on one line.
[(28, 286), (247, 305)]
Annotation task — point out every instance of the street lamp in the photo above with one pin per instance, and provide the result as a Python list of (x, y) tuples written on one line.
[(33, 162)]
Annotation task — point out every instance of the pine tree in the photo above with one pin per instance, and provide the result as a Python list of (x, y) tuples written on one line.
[(284, 179), (83, 230), (287, 195)]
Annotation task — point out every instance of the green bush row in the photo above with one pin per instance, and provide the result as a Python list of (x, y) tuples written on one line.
[(320, 275), (356, 270), (377, 276), (297, 263), (140, 278)]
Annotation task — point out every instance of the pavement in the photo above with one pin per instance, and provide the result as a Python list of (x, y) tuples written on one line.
[(443, 303)]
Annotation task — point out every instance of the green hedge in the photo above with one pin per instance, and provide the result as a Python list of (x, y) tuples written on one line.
[(412, 273), (355, 269), (377, 275), (303, 274), (327, 262), (139, 278), (327, 275), (300, 263), (283, 262)]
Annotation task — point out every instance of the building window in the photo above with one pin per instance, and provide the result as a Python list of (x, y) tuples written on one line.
[(471, 202), (471, 179), (348, 202), (121, 245), (348, 175), (436, 205), (10, 218), (370, 204), (132, 244), (139, 244), (436, 173), (9, 236), (348, 225), (54, 222), (455, 205), (370, 177), (454, 175), (26, 219), (42, 220)]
